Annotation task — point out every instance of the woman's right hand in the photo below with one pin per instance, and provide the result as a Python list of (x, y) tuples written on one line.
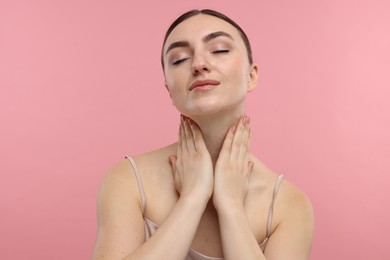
[(192, 166)]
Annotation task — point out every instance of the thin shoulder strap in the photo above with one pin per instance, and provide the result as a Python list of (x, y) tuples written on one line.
[(271, 208), (139, 182)]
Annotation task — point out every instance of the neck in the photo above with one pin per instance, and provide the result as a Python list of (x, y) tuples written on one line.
[(214, 129)]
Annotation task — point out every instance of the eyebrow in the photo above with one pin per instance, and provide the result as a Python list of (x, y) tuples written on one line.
[(205, 39)]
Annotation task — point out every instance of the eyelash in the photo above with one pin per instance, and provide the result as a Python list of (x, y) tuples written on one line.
[(177, 62), (220, 51)]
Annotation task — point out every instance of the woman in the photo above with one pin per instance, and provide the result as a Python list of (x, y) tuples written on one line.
[(206, 196)]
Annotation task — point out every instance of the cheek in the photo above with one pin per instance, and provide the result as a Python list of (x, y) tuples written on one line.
[(239, 64), (173, 89), (239, 71), (170, 82), (174, 79)]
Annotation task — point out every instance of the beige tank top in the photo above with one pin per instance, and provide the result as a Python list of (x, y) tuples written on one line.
[(151, 227)]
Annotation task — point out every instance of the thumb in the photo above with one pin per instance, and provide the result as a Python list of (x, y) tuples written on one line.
[(250, 166), (172, 159)]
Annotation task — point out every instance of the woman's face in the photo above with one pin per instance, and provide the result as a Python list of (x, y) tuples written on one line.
[(206, 66)]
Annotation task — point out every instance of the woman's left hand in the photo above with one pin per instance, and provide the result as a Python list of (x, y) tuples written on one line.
[(233, 168)]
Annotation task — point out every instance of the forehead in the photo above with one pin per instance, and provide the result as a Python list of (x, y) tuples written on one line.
[(195, 27)]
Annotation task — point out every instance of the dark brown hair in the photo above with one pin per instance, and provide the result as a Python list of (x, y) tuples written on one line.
[(219, 15)]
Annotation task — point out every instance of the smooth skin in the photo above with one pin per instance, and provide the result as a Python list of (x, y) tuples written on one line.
[(206, 192)]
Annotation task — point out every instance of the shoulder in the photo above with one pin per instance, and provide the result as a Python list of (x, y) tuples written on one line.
[(290, 202), (289, 197), (117, 187), (293, 217), (124, 171), (119, 209), (294, 224), (153, 159), (293, 202), (119, 175), (120, 182), (119, 196)]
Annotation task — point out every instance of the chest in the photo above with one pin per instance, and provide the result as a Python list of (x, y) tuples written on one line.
[(161, 197), (207, 239)]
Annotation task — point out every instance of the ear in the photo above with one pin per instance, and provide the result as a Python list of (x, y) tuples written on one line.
[(253, 76)]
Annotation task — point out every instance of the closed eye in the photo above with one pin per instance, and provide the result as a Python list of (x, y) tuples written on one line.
[(177, 62), (220, 51)]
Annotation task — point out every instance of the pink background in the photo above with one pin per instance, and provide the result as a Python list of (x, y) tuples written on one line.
[(81, 86)]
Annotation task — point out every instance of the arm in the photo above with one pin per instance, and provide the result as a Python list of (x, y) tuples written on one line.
[(293, 235), (238, 240), (120, 221), (291, 239), (231, 185)]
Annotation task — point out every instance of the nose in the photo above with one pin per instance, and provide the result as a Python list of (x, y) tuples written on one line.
[(199, 64)]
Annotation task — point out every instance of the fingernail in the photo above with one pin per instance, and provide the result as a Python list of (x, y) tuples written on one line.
[(251, 164), (233, 129)]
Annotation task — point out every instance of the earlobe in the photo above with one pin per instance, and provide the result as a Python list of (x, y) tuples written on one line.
[(253, 76)]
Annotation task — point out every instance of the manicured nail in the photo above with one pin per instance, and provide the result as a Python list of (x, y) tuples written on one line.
[(251, 164)]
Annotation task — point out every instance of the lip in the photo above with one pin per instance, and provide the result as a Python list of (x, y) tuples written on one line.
[(206, 82)]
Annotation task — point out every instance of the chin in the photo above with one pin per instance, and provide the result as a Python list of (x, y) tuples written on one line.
[(206, 106), (212, 109)]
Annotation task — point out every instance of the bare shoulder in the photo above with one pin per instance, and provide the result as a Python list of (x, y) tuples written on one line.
[(292, 198), (289, 197), (153, 160), (294, 224), (293, 218), (118, 185), (121, 178), (119, 214), (296, 213), (119, 210), (123, 171), (120, 171)]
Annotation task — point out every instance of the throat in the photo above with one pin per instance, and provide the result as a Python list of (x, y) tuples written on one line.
[(214, 146), (214, 129)]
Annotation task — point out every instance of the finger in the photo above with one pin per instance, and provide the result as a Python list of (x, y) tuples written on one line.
[(227, 143), (244, 150), (172, 160), (243, 146), (181, 146), (198, 137), (189, 134), (250, 166), (183, 137), (250, 169), (237, 142)]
